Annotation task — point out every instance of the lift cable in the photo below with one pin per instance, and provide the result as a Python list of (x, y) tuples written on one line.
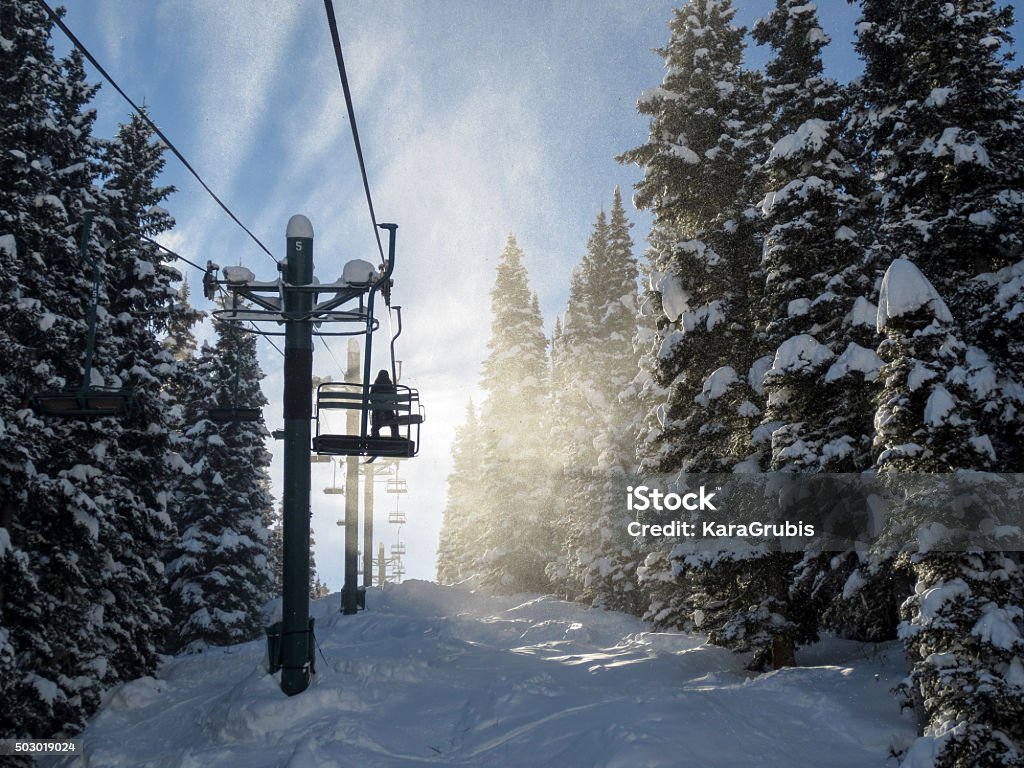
[(330, 352), (168, 251), (336, 40), (92, 59)]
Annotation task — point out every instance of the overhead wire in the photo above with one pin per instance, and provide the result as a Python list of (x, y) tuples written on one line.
[(156, 129), (339, 57), (330, 352), (332, 22), (178, 256)]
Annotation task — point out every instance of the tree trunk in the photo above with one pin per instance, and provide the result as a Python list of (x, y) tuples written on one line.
[(783, 653), (6, 521)]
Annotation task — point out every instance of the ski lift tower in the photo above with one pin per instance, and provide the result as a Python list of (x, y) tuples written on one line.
[(299, 304)]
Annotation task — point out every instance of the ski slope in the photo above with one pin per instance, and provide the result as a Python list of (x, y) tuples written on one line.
[(432, 675)]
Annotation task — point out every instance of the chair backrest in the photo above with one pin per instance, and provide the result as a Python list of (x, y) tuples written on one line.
[(347, 396)]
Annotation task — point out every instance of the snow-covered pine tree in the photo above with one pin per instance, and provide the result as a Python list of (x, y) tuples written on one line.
[(706, 128), (559, 570), (143, 308), (26, 68), (816, 312), (317, 588), (180, 339), (55, 495), (574, 416), (465, 504), (942, 123), (927, 417), (818, 332), (274, 523), (707, 132), (219, 574), (597, 361), (963, 622), (516, 542)]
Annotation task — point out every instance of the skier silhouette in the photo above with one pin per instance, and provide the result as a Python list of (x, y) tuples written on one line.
[(383, 385)]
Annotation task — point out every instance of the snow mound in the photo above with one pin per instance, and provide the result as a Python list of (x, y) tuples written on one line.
[(798, 353), (717, 384), (855, 358), (674, 300), (809, 137), (442, 676), (358, 272), (905, 290), (238, 275)]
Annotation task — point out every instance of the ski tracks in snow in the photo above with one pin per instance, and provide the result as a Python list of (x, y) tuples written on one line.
[(444, 676)]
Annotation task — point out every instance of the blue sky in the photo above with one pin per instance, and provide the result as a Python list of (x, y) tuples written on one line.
[(478, 119)]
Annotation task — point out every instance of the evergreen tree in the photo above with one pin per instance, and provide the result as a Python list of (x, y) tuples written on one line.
[(465, 505), (180, 340), (55, 495), (597, 362), (26, 66), (928, 420), (219, 573), (706, 138), (317, 588), (574, 413), (143, 308), (705, 132), (273, 521), (817, 328), (516, 542), (942, 124), (816, 311)]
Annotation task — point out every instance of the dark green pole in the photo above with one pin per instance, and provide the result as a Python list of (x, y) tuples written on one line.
[(298, 411)]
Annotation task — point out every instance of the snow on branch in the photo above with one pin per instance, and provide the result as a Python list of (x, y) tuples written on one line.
[(905, 290)]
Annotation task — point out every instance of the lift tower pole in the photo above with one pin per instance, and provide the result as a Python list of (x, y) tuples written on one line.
[(350, 588), (298, 412), (368, 479)]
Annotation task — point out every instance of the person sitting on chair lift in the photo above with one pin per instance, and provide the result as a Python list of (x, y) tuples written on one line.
[(383, 385)]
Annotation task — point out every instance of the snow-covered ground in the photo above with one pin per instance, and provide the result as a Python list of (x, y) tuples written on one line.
[(443, 676)]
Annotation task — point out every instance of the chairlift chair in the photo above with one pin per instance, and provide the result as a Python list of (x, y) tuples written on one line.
[(404, 404), (234, 413), (88, 400), (334, 488), (398, 549), (396, 486)]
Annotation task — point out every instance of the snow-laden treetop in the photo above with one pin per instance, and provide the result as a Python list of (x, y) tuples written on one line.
[(905, 290)]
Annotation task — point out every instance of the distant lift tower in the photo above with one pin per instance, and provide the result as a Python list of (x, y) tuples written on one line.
[(397, 487)]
